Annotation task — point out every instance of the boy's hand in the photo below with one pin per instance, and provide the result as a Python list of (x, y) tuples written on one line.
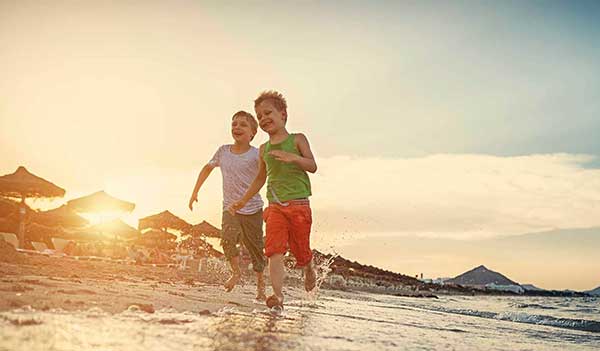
[(191, 203), (236, 206), (283, 156)]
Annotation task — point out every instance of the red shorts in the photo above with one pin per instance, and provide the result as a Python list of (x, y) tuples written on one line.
[(289, 227)]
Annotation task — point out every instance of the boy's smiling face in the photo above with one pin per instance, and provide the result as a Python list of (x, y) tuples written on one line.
[(241, 130), (270, 119)]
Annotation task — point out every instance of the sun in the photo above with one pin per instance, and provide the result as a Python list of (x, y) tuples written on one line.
[(103, 217)]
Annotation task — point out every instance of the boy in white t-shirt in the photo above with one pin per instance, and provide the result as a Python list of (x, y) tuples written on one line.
[(239, 167)]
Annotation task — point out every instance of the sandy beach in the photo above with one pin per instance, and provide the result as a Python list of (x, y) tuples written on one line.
[(50, 303), (53, 282)]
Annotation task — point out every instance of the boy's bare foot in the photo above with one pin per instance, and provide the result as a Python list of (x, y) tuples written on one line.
[(231, 283), (310, 278), (274, 301), (260, 290)]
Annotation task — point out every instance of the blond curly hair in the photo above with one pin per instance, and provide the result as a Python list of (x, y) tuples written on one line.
[(275, 97)]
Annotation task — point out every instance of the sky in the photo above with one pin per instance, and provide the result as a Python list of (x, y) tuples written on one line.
[(457, 120)]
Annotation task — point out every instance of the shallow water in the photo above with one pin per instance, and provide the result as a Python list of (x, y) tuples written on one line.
[(336, 321)]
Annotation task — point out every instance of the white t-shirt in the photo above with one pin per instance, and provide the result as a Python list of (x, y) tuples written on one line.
[(238, 173)]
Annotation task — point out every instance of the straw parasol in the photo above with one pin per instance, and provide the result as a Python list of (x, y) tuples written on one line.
[(163, 221), (117, 228), (22, 185), (158, 235), (62, 216), (204, 229), (40, 232), (99, 201), (155, 237)]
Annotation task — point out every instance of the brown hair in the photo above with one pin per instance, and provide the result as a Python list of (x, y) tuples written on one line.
[(275, 97), (251, 120)]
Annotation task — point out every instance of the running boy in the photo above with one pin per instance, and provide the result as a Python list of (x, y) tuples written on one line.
[(239, 163), (284, 162)]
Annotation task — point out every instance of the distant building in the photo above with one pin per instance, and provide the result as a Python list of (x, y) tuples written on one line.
[(517, 289), (438, 281)]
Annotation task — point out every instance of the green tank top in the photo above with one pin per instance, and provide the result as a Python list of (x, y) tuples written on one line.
[(285, 181)]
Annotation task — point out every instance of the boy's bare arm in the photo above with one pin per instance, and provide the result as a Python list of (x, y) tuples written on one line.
[(204, 173), (305, 160), (256, 185)]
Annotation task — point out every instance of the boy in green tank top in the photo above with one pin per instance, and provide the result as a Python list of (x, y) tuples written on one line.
[(283, 164)]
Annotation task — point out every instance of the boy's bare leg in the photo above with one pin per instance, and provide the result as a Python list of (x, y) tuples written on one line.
[(310, 277), (260, 286), (277, 272), (236, 275)]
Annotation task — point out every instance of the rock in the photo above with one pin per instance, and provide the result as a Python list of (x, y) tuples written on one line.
[(148, 308), (8, 253)]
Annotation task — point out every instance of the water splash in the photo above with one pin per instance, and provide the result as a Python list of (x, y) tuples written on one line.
[(322, 266)]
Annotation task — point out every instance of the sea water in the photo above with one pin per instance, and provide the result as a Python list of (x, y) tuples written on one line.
[(334, 321)]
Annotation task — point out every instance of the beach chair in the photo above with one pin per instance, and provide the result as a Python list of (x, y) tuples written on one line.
[(181, 260), (59, 244), (11, 239), (38, 246)]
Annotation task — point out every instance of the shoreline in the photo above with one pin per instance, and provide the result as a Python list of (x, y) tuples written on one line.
[(46, 283)]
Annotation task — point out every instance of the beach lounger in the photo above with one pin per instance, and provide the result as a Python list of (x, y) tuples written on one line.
[(38, 246), (59, 244), (182, 260), (11, 239)]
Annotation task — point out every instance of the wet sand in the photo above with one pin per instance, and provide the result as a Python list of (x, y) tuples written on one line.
[(46, 283)]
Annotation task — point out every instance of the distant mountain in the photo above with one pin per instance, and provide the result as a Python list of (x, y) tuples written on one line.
[(595, 292), (481, 276), (531, 287)]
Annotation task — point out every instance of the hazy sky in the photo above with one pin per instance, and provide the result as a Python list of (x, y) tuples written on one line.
[(462, 119)]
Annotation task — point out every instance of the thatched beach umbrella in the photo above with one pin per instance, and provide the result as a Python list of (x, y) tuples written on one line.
[(155, 237), (163, 221), (22, 185), (204, 229), (116, 228), (158, 235), (40, 232), (99, 202), (62, 216), (80, 235)]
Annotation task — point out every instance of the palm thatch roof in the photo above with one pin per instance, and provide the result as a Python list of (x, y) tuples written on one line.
[(159, 235), (204, 229), (40, 232), (115, 228), (80, 235), (62, 216), (163, 221), (100, 202), (22, 184)]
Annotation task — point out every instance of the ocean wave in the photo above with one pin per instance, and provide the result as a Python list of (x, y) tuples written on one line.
[(519, 317), (534, 305)]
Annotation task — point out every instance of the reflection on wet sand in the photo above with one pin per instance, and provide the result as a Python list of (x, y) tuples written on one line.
[(257, 331)]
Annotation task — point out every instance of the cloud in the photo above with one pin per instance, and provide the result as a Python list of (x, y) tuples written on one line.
[(458, 196)]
